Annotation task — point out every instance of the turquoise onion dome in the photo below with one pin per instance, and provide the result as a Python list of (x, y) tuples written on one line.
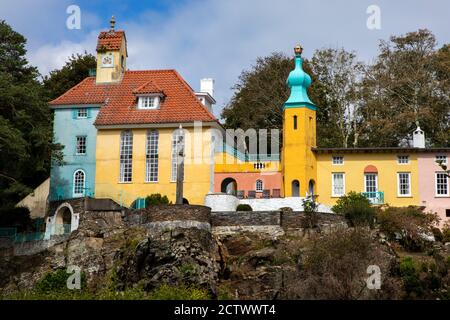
[(299, 81)]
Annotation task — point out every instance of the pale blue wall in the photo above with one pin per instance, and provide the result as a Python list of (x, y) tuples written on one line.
[(66, 128)]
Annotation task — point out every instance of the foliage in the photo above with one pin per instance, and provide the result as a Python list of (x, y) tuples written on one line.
[(56, 282), (310, 207), (410, 224), (166, 292), (244, 207), (446, 233), (25, 122), (356, 209), (18, 217), (335, 265), (73, 72), (426, 279), (156, 199)]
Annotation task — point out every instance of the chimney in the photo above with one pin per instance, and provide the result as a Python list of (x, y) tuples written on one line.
[(207, 86), (418, 138)]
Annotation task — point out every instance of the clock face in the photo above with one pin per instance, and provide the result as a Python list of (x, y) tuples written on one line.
[(107, 61)]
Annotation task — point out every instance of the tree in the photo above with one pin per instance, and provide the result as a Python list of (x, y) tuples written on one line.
[(408, 83), (73, 72), (339, 74), (25, 121)]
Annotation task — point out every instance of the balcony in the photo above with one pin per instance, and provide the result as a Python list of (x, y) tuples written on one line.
[(374, 197)]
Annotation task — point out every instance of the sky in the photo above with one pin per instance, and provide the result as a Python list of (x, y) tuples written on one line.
[(217, 38)]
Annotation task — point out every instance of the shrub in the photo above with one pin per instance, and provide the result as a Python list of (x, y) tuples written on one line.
[(310, 207), (166, 292), (54, 282), (18, 217), (156, 199), (410, 276), (244, 207), (446, 233), (356, 209), (409, 224)]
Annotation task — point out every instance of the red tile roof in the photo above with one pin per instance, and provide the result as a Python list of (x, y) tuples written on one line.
[(119, 100), (110, 40), (148, 87)]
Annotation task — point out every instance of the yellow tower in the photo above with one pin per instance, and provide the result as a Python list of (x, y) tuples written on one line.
[(299, 135), (111, 55)]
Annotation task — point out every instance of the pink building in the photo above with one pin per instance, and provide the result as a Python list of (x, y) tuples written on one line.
[(434, 185)]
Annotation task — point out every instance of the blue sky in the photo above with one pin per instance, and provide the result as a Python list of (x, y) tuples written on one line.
[(217, 38)]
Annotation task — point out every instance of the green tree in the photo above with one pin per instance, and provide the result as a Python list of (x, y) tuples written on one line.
[(25, 121), (73, 72), (409, 82)]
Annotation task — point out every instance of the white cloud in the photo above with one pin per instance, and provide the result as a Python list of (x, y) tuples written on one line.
[(220, 38)]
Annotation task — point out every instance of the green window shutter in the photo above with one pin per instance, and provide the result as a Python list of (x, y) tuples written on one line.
[(88, 111), (74, 113)]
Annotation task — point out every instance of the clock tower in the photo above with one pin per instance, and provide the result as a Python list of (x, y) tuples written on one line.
[(111, 55)]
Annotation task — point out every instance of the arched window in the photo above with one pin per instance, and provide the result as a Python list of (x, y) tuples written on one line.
[(126, 156), (295, 122), (177, 145), (259, 185), (295, 188), (78, 183)]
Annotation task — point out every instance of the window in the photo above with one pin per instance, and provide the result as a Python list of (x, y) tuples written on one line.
[(442, 159), (177, 143), (82, 113), (259, 186), (126, 156), (295, 122), (148, 102), (81, 145), (259, 165), (447, 213), (151, 174), (371, 182), (403, 159), (78, 183), (338, 160), (338, 184), (404, 184), (442, 184)]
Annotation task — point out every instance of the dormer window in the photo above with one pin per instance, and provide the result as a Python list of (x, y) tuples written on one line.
[(148, 102)]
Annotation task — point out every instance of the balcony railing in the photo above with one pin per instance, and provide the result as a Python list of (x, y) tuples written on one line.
[(375, 197)]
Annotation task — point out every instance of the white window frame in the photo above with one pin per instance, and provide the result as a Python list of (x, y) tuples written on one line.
[(365, 181), (174, 164), (399, 194), (335, 163), (152, 156), (144, 102), (436, 185), (76, 194), (84, 112), (333, 193), (261, 187), (401, 161), (125, 159), (85, 146), (441, 156)]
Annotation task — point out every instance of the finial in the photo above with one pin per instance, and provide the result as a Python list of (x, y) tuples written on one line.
[(113, 22), (298, 50)]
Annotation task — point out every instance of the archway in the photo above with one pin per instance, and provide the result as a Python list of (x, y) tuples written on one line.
[(228, 186), (63, 219), (311, 185), (185, 201), (295, 188)]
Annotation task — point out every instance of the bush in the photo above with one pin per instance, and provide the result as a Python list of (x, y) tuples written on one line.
[(244, 207), (18, 217), (310, 207), (407, 224), (156, 199), (54, 282), (446, 233), (166, 292), (356, 209)]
